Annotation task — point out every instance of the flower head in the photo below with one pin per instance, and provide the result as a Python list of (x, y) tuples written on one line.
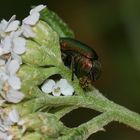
[(8, 118), (8, 26), (57, 88), (12, 45), (66, 88), (33, 18)]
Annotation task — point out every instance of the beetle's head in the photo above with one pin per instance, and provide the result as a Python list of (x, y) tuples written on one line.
[(96, 70)]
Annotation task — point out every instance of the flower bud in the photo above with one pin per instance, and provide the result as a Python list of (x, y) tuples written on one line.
[(32, 136), (44, 123), (36, 54), (44, 48), (46, 36)]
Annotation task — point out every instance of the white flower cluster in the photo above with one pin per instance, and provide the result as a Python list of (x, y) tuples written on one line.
[(7, 119), (12, 45), (57, 88)]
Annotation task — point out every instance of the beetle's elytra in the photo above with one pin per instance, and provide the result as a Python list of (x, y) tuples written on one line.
[(82, 59)]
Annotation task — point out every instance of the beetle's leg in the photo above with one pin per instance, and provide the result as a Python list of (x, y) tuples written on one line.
[(84, 81), (72, 68), (90, 75)]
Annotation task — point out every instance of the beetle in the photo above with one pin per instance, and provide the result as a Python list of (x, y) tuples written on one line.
[(81, 59)]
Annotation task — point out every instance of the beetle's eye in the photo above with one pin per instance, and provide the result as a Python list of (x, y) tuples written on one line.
[(96, 70)]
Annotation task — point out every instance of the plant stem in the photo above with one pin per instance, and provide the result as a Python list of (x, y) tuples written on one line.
[(62, 111), (127, 117), (97, 123), (97, 102)]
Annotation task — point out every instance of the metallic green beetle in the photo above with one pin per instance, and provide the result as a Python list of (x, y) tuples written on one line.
[(82, 59)]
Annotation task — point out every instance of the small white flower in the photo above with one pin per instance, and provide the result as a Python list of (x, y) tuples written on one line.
[(13, 26), (19, 45), (13, 66), (16, 57), (10, 137), (27, 31), (32, 19), (57, 88), (48, 86), (2, 62), (13, 44), (5, 136), (8, 26), (34, 16), (6, 45), (2, 102), (37, 8), (14, 82), (15, 34), (1, 50), (3, 25), (66, 88), (3, 76), (13, 96), (14, 116), (21, 122)]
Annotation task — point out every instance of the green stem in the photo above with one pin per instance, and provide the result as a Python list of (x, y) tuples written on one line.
[(85, 130), (97, 123), (95, 102), (62, 111), (127, 117)]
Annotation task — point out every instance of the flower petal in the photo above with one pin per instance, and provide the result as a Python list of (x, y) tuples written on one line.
[(14, 82), (13, 66), (21, 122), (19, 45), (14, 116), (27, 31), (1, 102), (1, 50), (47, 87), (3, 25), (14, 96), (66, 88), (38, 8), (67, 91), (15, 34), (3, 76), (6, 44), (5, 136), (2, 62), (32, 19), (16, 57), (12, 19), (13, 26)]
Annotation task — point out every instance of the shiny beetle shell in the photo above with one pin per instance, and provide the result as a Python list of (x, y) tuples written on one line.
[(82, 59)]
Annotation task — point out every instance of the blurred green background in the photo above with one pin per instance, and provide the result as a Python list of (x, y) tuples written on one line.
[(112, 28)]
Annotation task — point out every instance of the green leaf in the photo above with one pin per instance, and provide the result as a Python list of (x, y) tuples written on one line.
[(56, 23)]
